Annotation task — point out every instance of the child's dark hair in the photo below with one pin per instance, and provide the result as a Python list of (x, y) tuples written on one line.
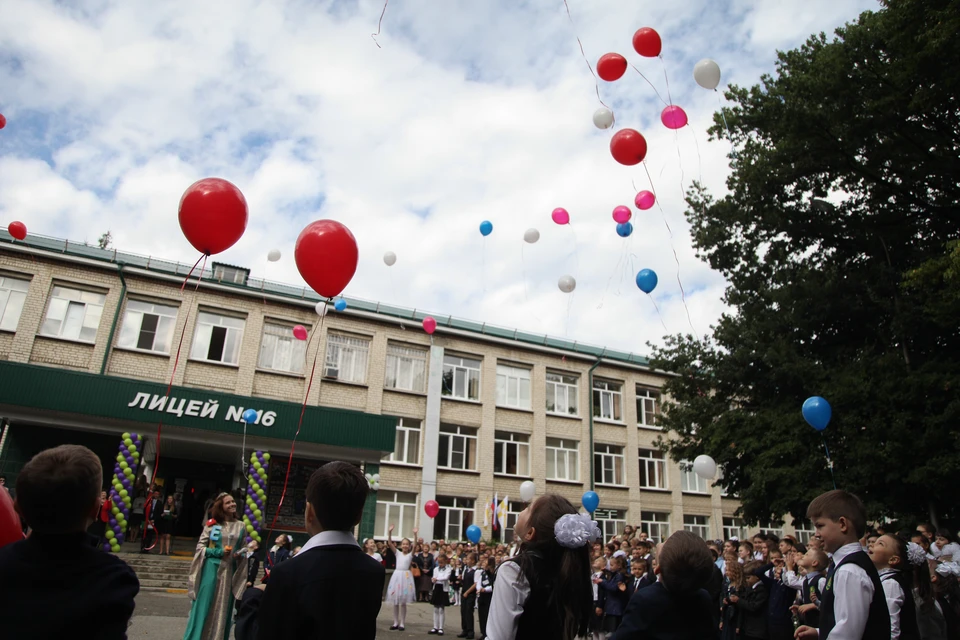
[(750, 567), (337, 491), (838, 504), (620, 561), (59, 489), (899, 550), (640, 562), (566, 571), (747, 544), (946, 533), (685, 563)]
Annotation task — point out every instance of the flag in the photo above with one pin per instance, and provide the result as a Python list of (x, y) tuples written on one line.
[(487, 513), (493, 507), (502, 512)]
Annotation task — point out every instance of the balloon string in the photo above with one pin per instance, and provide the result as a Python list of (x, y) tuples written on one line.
[(665, 103), (176, 360), (723, 117), (829, 461), (666, 79), (657, 307), (293, 444), (596, 81), (676, 258), (380, 22)]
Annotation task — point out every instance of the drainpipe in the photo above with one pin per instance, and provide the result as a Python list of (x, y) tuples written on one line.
[(590, 386), (116, 318)]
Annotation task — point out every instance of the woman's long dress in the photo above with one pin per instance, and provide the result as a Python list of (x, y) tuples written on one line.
[(217, 579), (401, 589)]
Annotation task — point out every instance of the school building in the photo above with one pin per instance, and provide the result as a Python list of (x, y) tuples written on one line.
[(88, 345)]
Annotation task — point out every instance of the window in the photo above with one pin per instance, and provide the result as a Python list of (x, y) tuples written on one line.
[(608, 464), (772, 526), (406, 448), (280, 351), (606, 400), (561, 393), (804, 531), (653, 470), (511, 453), (406, 368), (733, 528), (563, 459), (13, 292), (690, 482), (346, 358), (504, 532), (461, 378), (611, 521), (456, 514), (227, 273), (513, 387), (217, 338), (147, 326), (648, 402), (396, 508), (699, 525), (457, 448), (73, 314), (656, 525)]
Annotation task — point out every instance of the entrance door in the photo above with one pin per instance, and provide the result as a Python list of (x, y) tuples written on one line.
[(200, 482)]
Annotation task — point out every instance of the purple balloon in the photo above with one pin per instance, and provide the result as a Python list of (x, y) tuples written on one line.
[(113, 522)]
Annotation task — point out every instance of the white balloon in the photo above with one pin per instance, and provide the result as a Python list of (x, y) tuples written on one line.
[(567, 284), (527, 491), (705, 467), (530, 236), (321, 308), (707, 74), (389, 258), (273, 255), (603, 118)]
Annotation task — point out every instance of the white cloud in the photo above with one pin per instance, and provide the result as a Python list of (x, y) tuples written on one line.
[(469, 111)]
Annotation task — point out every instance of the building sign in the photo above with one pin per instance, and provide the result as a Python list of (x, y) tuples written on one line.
[(196, 408)]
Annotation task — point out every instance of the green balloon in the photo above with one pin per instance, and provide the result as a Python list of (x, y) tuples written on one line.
[(127, 441), (131, 448), (124, 465), (257, 465), (257, 513), (115, 510), (123, 493), (136, 455), (249, 528), (260, 493), (110, 535), (120, 457), (266, 457), (253, 457)]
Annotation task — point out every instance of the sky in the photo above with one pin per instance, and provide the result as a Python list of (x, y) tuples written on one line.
[(465, 112)]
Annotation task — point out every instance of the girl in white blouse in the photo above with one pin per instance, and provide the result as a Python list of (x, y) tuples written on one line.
[(440, 598)]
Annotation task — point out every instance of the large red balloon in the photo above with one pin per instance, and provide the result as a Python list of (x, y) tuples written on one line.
[(17, 229), (213, 215), (9, 520), (611, 66), (3, 121), (326, 255), (628, 147), (431, 508), (647, 42)]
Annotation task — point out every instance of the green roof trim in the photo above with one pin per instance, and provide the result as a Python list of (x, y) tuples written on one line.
[(111, 397), (66, 247)]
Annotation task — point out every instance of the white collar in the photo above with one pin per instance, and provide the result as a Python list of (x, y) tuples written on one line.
[(887, 571), (844, 551), (811, 575), (328, 538)]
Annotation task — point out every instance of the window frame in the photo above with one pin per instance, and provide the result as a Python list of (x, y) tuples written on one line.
[(395, 367), (404, 430), (658, 462), (648, 524), (466, 515), (471, 438), (701, 529), (507, 373), (357, 346), (643, 395), (598, 395), (467, 370), (68, 302), (567, 387), (600, 459), (686, 474), (553, 450), (8, 293), (127, 312), (733, 528), (296, 346), (400, 532), (502, 442), (611, 526), (197, 327)]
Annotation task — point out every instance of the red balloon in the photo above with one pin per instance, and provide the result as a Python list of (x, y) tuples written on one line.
[(429, 325), (611, 66), (326, 255), (647, 42), (628, 147), (431, 508), (9, 520), (3, 121), (17, 229), (213, 215)]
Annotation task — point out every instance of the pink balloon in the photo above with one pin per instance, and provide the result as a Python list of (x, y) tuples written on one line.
[(673, 117), (300, 332), (429, 325), (560, 216), (644, 200), (622, 214)]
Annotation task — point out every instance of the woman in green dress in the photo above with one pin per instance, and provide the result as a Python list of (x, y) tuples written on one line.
[(218, 574)]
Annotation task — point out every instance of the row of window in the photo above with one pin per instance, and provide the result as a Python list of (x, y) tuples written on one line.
[(457, 451), (75, 314), (456, 514)]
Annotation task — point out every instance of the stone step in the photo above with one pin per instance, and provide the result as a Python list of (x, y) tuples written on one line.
[(162, 584), (171, 577)]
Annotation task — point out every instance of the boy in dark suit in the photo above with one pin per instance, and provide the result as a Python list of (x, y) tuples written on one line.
[(331, 589), (638, 577), (677, 607), (57, 583), (468, 597), (753, 604)]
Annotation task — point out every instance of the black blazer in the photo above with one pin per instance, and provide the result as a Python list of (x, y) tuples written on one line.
[(753, 612), (656, 614), (333, 591), (62, 586), (645, 582)]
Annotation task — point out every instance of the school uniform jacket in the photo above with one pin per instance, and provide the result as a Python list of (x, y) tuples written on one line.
[(636, 584), (753, 612), (654, 613)]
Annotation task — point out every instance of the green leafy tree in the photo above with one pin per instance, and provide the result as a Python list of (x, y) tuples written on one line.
[(835, 239)]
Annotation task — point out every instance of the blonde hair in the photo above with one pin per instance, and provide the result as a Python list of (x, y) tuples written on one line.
[(735, 573)]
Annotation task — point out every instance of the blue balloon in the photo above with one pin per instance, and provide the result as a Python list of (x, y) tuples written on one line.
[(817, 412), (590, 501), (249, 416), (340, 304), (647, 280), (473, 533), (624, 229), (486, 227)]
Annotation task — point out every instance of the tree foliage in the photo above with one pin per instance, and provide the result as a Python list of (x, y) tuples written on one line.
[(835, 238)]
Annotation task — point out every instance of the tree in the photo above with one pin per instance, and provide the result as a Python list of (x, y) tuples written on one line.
[(835, 240), (105, 240)]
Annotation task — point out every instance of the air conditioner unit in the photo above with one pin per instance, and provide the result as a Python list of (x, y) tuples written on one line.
[(331, 373)]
